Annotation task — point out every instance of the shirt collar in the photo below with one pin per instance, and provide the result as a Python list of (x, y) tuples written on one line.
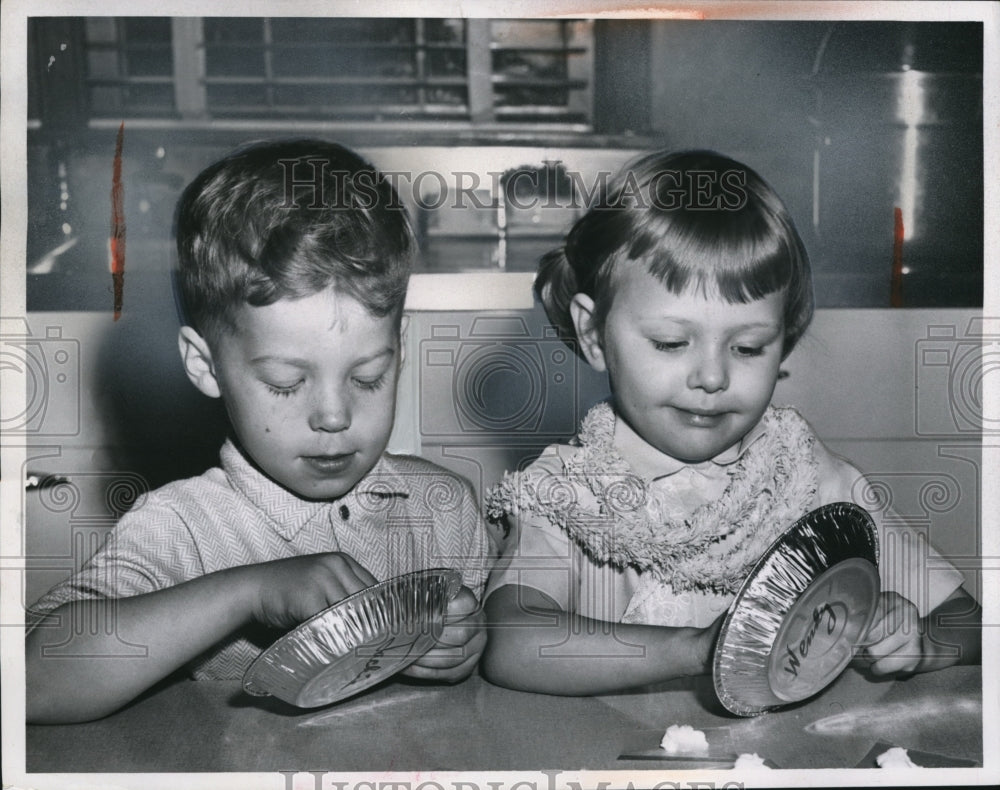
[(286, 512), (655, 465)]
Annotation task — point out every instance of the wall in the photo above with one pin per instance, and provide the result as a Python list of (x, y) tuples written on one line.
[(849, 122)]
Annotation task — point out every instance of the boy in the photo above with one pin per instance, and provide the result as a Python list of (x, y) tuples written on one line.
[(294, 258)]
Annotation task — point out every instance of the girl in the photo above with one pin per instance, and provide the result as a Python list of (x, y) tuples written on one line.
[(688, 284)]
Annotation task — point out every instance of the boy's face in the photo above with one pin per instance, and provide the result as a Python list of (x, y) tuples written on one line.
[(690, 373), (310, 388)]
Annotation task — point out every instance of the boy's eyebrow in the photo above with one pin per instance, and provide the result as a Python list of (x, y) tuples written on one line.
[(304, 363)]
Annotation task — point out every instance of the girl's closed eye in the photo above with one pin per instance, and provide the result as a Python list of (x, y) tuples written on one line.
[(749, 351), (370, 384), (669, 345)]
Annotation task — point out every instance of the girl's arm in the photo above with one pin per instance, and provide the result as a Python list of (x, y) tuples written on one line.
[(75, 669), (534, 645)]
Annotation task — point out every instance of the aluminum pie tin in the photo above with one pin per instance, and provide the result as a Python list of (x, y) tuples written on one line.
[(799, 615), (357, 642)]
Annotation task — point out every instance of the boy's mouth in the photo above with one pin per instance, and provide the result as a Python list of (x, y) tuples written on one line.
[(329, 464)]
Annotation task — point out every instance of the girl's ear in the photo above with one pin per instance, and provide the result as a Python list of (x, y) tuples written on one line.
[(581, 309), (197, 358), (404, 325)]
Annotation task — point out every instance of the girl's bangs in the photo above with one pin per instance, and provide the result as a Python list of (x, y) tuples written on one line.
[(716, 254)]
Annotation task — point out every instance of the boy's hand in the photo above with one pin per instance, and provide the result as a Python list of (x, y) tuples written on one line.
[(895, 642), (291, 590), (461, 643)]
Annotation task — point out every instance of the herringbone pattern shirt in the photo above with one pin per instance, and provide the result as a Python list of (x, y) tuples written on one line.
[(407, 514)]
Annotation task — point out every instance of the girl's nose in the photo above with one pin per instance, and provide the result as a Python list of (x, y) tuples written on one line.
[(710, 373), (330, 413)]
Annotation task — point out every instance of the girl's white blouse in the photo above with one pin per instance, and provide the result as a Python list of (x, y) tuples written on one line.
[(540, 554)]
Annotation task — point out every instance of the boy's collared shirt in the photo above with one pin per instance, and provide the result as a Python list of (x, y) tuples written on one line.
[(407, 514)]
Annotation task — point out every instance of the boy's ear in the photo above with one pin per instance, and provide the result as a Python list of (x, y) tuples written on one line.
[(581, 309), (197, 358)]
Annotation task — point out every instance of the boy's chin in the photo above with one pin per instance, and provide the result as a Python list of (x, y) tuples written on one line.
[(323, 491), (318, 489)]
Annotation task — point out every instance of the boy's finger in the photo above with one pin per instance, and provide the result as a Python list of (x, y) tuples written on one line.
[(462, 635), (451, 674), (464, 631), (463, 604), (442, 658), (360, 572)]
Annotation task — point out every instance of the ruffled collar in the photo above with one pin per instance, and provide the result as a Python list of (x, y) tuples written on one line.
[(617, 518)]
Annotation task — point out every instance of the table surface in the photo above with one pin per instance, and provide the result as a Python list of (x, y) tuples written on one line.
[(190, 726)]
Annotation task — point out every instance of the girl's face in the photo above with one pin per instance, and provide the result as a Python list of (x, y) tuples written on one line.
[(690, 373)]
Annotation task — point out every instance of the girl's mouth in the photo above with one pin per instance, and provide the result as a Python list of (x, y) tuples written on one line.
[(701, 419)]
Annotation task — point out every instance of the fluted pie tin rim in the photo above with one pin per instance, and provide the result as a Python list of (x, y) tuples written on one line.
[(801, 612), (356, 643)]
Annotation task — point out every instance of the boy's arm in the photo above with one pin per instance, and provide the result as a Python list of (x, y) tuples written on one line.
[(536, 646), (900, 642), (174, 625)]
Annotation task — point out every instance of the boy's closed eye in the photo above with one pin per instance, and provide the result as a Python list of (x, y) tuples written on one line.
[(284, 390), (281, 378), (372, 374), (743, 350)]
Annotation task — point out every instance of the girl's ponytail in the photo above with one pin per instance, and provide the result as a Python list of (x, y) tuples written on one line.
[(555, 286)]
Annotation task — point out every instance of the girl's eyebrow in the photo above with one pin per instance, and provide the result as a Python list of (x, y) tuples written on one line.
[(768, 325)]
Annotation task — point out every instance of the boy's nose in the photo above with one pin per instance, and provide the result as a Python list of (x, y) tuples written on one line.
[(710, 373), (331, 414)]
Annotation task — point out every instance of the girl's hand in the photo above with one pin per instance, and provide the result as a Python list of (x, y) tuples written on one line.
[(895, 642), (286, 592), (460, 645), (706, 641)]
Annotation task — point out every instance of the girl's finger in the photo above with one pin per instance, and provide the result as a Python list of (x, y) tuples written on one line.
[(904, 659)]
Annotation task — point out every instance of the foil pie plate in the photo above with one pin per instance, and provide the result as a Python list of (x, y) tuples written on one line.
[(357, 642), (799, 615)]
